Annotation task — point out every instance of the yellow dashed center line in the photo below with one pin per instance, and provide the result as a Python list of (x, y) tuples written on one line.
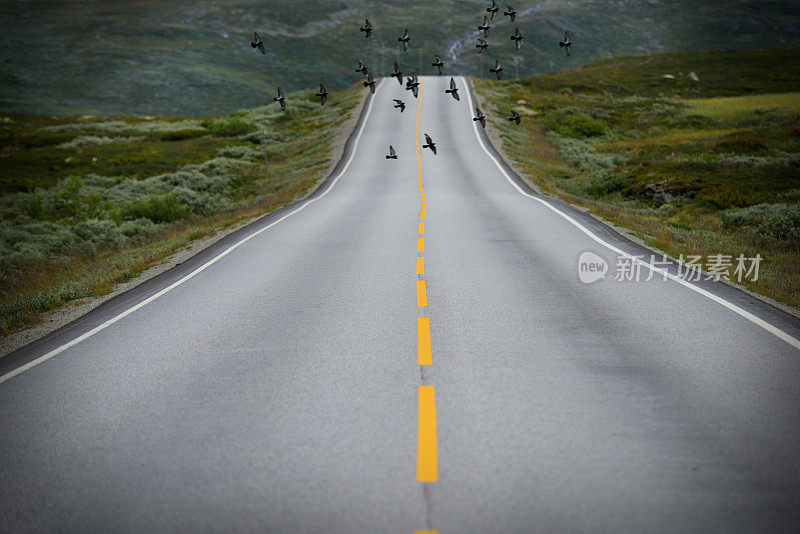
[(424, 341), (427, 456), (422, 297), (427, 448)]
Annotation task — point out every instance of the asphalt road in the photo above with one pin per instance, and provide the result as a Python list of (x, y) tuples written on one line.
[(279, 388)]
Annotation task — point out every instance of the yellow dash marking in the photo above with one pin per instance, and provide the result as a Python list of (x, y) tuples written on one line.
[(422, 215), (420, 245), (424, 206), (422, 298), (424, 341), (421, 228), (427, 458), (420, 265)]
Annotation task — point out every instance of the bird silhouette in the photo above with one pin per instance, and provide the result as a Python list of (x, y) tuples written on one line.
[(566, 44), (258, 43), (405, 38), (485, 26), (392, 153), (280, 99), (362, 68), (397, 74), (429, 143), (480, 117), (438, 63), (400, 104), (509, 12), (497, 69), (412, 84), (370, 83), (481, 46), (493, 9), (453, 91), (323, 94), (514, 117), (517, 38), (367, 29)]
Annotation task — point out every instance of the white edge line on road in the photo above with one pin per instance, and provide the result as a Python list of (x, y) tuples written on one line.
[(733, 307), (93, 331)]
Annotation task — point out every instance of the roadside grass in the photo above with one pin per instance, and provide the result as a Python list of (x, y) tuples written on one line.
[(75, 220), (717, 175), (739, 107)]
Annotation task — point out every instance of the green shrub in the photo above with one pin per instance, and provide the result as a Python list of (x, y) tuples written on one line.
[(180, 135), (772, 221), (157, 208), (583, 156), (572, 123), (230, 127), (93, 140), (609, 183), (242, 152)]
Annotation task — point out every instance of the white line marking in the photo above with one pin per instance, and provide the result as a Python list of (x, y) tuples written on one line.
[(733, 307), (93, 331)]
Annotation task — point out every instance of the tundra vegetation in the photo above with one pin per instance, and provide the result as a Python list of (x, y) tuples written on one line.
[(88, 202), (694, 164)]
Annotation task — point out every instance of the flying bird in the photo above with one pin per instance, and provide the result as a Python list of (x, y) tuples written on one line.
[(279, 99), (362, 68), (485, 26), (323, 94), (429, 143), (497, 69), (392, 153), (404, 39), (481, 46), (493, 9), (412, 84), (453, 91), (258, 43), (514, 117), (509, 12), (367, 29), (517, 38), (370, 83), (438, 63), (400, 104), (566, 43), (397, 74), (480, 117)]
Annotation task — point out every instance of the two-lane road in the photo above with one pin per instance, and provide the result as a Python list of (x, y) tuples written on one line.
[(284, 387)]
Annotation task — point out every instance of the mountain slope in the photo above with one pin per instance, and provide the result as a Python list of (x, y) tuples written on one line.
[(190, 58)]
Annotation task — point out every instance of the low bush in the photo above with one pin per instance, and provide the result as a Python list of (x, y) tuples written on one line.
[(90, 140), (230, 127), (157, 208), (180, 135)]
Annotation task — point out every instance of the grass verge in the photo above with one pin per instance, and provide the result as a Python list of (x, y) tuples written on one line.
[(718, 175), (89, 202)]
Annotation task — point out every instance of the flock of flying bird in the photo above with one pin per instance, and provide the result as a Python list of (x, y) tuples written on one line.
[(412, 83)]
